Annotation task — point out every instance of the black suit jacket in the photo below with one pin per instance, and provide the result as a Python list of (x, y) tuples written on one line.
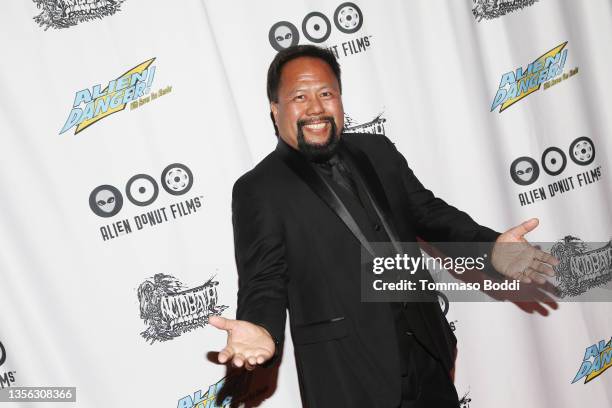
[(298, 248)]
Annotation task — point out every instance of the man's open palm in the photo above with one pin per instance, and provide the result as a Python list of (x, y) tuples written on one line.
[(248, 344), (515, 258)]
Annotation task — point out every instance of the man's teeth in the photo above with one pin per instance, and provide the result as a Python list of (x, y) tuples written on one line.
[(316, 126)]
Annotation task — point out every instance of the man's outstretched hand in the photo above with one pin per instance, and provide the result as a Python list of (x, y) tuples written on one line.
[(515, 258), (248, 344)]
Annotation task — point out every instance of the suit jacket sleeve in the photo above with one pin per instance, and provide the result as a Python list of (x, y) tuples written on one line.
[(434, 219), (260, 259)]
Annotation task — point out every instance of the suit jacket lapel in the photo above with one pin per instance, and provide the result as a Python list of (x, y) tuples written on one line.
[(362, 165), (302, 168)]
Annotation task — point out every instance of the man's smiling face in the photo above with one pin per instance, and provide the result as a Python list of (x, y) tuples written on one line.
[(309, 113)]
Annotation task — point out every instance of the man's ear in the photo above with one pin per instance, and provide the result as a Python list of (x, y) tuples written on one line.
[(273, 116)]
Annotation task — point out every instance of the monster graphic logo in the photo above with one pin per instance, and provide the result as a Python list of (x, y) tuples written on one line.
[(67, 13), (170, 309), (489, 9), (581, 269), (375, 126), (464, 402)]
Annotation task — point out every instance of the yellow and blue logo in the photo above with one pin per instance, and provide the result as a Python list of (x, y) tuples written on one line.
[(597, 359), (92, 105), (516, 85), (207, 399)]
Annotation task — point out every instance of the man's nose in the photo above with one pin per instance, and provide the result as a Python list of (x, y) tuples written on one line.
[(315, 107)]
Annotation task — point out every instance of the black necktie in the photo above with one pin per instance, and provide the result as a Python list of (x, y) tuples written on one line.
[(340, 174)]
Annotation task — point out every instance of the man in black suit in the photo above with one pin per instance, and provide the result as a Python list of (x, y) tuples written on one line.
[(301, 218)]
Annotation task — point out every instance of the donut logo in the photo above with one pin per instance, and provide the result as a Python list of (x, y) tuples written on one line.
[(553, 161), (316, 27), (525, 170), (141, 190)]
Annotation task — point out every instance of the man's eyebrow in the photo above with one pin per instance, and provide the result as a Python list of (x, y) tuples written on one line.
[(293, 91)]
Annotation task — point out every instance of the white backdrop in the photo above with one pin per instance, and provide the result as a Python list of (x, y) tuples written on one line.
[(430, 69)]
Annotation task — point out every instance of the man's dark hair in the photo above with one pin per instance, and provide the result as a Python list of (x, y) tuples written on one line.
[(291, 53)]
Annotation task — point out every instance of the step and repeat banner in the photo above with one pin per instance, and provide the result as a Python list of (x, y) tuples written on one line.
[(124, 124)]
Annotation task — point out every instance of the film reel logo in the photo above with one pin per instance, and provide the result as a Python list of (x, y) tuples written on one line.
[(141, 190), (316, 27), (525, 170)]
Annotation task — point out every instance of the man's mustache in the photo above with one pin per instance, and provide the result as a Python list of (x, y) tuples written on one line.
[(304, 122)]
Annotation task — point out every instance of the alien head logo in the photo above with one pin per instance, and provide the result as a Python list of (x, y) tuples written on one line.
[(283, 35), (67, 13), (105, 201), (524, 171)]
